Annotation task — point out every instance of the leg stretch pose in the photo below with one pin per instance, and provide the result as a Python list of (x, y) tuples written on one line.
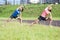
[(17, 14), (46, 15)]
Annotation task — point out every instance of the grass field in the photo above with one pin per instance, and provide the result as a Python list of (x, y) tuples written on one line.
[(29, 11), (17, 31)]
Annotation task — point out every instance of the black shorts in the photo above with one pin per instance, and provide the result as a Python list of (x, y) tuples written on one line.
[(13, 17), (41, 18)]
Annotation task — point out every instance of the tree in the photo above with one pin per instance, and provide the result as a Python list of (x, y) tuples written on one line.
[(5, 2), (14, 2)]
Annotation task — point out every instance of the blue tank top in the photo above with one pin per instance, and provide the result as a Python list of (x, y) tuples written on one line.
[(16, 12)]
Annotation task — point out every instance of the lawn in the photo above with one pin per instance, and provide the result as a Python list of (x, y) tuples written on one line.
[(29, 10), (17, 31)]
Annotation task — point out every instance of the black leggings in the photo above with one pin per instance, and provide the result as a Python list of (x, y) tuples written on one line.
[(41, 18)]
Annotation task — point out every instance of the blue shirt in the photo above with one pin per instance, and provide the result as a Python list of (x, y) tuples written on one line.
[(16, 12)]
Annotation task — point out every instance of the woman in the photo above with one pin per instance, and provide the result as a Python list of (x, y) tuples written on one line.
[(46, 15), (17, 14)]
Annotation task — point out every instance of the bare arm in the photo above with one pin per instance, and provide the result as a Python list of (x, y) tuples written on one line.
[(20, 15), (50, 19), (20, 18), (50, 15)]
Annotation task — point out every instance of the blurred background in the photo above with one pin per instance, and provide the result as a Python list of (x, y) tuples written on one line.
[(18, 2), (7, 7)]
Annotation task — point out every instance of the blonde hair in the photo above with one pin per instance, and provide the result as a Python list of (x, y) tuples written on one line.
[(50, 6)]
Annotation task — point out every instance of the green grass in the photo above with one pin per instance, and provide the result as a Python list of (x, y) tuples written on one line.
[(17, 31), (30, 18), (33, 10), (34, 18)]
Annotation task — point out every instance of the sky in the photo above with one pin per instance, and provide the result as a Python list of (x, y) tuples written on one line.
[(34, 1), (2, 1), (18, 1), (10, 1)]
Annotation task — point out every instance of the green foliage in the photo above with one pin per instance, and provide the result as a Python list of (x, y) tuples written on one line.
[(17, 31), (6, 10), (30, 10)]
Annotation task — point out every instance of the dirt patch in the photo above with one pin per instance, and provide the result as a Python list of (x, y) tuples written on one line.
[(54, 23)]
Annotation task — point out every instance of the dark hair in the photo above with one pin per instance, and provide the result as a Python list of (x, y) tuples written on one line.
[(50, 10), (22, 9), (18, 9)]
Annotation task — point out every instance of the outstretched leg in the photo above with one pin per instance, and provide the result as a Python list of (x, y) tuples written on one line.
[(9, 19), (35, 22)]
